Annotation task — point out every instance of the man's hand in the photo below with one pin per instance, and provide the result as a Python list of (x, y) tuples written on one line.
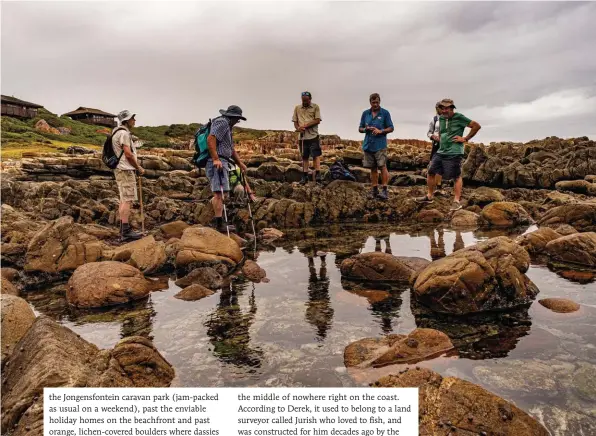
[(435, 138), (242, 167), (301, 128), (218, 165), (141, 170), (459, 139), (376, 131)]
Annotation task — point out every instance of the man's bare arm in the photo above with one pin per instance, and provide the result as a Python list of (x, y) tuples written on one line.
[(474, 127), (212, 146), (131, 157)]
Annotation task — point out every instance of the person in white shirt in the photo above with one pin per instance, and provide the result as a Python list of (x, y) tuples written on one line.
[(434, 135), (124, 148)]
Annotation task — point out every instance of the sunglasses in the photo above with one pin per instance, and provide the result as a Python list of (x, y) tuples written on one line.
[(307, 94), (446, 107)]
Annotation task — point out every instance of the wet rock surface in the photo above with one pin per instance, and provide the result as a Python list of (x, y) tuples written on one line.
[(486, 276), (577, 248), (100, 284), (535, 242), (382, 267), (419, 345), (449, 404), (560, 305)]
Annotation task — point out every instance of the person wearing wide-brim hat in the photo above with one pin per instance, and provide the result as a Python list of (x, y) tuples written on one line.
[(222, 152), (125, 149)]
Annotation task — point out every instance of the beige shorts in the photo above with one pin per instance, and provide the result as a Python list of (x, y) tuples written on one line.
[(127, 185)]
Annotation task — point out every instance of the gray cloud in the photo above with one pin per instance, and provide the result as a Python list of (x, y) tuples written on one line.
[(523, 70)]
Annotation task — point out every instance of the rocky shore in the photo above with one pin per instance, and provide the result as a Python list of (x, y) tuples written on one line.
[(59, 226)]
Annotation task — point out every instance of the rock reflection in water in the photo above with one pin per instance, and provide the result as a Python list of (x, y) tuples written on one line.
[(384, 299), (228, 327), (135, 318), (478, 336)]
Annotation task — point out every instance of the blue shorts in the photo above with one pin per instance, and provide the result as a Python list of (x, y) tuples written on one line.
[(218, 179), (448, 166)]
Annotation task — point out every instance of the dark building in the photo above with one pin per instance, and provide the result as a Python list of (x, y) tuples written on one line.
[(92, 116), (13, 107)]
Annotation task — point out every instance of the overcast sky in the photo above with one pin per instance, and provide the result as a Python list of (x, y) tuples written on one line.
[(522, 70)]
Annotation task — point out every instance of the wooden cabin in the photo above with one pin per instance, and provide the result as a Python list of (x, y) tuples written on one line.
[(93, 116), (13, 107)]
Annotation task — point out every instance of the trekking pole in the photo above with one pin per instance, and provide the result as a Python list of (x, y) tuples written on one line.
[(252, 221), (223, 202), (141, 203)]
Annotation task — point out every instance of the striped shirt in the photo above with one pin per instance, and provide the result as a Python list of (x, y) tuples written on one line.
[(220, 128)]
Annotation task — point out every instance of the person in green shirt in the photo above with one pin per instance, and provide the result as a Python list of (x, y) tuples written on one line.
[(448, 159)]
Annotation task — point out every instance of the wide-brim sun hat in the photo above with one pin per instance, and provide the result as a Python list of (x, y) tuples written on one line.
[(125, 115), (232, 111)]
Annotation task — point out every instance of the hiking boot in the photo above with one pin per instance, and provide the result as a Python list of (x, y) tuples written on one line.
[(455, 206), (128, 234), (424, 200), (318, 179), (304, 180), (440, 193), (383, 195), (374, 193)]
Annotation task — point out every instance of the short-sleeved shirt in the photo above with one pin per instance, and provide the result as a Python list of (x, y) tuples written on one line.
[(303, 115), (381, 120), (119, 139), (220, 128), (451, 127)]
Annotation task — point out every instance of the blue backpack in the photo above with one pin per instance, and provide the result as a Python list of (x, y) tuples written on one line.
[(201, 155)]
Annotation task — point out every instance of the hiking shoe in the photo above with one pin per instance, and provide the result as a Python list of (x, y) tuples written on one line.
[(383, 195), (374, 193), (424, 200), (304, 180), (455, 206), (128, 234), (440, 193), (318, 179)]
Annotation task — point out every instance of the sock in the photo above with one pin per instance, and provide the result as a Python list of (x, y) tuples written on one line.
[(305, 173), (219, 221), (375, 188)]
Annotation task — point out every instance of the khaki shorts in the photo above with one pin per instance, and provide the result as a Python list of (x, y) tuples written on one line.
[(377, 159), (127, 185)]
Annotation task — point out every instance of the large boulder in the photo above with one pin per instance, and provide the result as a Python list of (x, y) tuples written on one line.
[(206, 246), (484, 195), (55, 356), (382, 267), (483, 277), (449, 404), (108, 283), (577, 248), (17, 318), (62, 246), (146, 254), (582, 216), (505, 214), (464, 219), (534, 242), (419, 345)]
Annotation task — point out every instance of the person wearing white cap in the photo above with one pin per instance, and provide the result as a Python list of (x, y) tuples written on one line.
[(124, 173)]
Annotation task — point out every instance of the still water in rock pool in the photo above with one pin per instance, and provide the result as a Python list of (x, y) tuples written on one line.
[(292, 331)]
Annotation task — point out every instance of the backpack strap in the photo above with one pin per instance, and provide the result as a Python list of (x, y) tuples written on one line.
[(113, 133)]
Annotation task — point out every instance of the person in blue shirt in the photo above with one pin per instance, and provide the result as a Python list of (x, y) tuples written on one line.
[(376, 123)]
